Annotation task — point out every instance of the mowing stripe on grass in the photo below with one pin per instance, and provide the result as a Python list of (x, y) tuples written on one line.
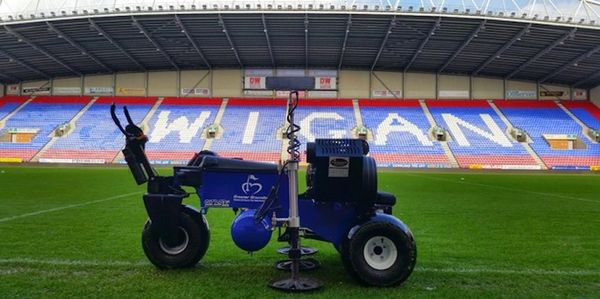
[(143, 264), (66, 207), (504, 188)]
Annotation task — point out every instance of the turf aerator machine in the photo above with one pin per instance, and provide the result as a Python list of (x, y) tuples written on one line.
[(341, 205)]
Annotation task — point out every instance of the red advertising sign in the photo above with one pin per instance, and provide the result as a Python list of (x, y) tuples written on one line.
[(254, 82), (325, 83)]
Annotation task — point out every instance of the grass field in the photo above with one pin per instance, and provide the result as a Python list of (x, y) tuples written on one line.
[(75, 232)]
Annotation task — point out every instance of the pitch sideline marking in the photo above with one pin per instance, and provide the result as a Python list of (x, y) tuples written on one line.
[(66, 207), (91, 263), (505, 188)]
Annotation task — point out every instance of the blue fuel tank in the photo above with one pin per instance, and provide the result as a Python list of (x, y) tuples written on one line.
[(249, 235)]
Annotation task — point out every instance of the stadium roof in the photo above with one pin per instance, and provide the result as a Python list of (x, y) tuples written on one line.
[(557, 42)]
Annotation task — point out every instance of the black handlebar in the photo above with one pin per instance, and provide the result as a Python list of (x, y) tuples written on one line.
[(134, 152)]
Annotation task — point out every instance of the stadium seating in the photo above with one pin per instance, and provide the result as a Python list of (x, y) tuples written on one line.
[(9, 103), (400, 136), (587, 112), (176, 127), (95, 138), (43, 114), (478, 135), (249, 129), (324, 119), (545, 117)]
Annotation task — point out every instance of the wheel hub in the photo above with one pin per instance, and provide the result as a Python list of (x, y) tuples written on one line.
[(380, 253), (176, 249)]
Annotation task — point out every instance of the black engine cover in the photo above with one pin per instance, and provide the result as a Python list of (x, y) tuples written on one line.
[(341, 171)]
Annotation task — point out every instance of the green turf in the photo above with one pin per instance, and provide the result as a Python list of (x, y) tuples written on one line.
[(478, 235)]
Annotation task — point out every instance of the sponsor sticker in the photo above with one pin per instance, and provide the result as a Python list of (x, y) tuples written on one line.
[(339, 167)]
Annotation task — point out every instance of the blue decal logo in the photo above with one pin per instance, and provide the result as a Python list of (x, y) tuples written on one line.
[(250, 186)]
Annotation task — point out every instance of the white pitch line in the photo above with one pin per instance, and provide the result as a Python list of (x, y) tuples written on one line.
[(83, 263), (95, 263), (524, 271), (66, 207), (505, 188)]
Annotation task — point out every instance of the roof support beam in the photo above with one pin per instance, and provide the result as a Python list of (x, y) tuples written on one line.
[(235, 52), (573, 62), (348, 25), (21, 38), (78, 47), (588, 78), (423, 44), (306, 41), (25, 64), (10, 78), (507, 45), (154, 43), (463, 45), (266, 31), (101, 31), (545, 51), (192, 41), (383, 42)]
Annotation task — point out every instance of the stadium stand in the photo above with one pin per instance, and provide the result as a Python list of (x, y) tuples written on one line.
[(400, 134), (95, 137), (43, 115), (249, 129), (324, 119), (587, 112), (479, 137), (176, 127), (9, 103), (545, 117)]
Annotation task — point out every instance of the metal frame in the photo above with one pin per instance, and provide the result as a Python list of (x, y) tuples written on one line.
[(383, 42), (143, 31), (78, 47), (106, 36), (192, 41), (571, 63), (235, 52), (25, 64), (23, 39), (546, 50), (266, 31), (500, 51), (423, 44), (306, 41), (463, 46), (356, 39), (343, 49)]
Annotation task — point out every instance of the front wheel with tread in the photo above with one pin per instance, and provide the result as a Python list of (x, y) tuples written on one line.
[(194, 239), (382, 254)]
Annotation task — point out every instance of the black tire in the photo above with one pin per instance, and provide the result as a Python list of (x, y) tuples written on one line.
[(382, 254), (344, 250), (195, 239)]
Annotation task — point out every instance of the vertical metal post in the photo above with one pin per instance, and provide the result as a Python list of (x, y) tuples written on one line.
[(403, 85), (146, 85), (571, 97), (437, 86), (178, 83), (211, 92), (81, 85), (471, 87), (114, 84)]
